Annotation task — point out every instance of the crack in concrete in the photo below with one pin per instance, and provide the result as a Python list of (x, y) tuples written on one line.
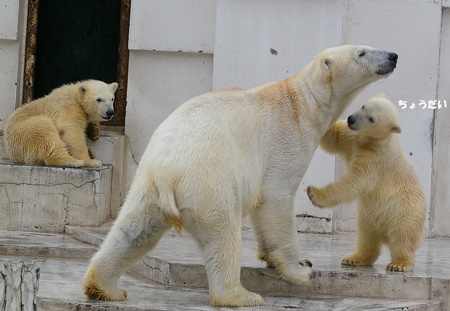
[(50, 185), (304, 215)]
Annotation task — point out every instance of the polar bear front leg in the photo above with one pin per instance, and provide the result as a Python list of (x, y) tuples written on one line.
[(76, 145), (136, 231), (277, 240), (220, 239)]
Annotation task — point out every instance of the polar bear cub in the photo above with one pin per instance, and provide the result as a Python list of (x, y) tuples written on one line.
[(224, 155), (391, 206), (51, 130)]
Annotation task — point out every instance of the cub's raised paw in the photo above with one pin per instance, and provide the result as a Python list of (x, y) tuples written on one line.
[(312, 193), (91, 153), (93, 131), (400, 266)]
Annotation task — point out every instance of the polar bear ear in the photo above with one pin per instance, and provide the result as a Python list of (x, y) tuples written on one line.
[(114, 86), (395, 128), (381, 95), (327, 63), (82, 90)]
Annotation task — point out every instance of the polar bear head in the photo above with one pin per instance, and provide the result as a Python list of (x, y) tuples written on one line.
[(97, 99), (339, 73), (349, 67), (378, 118)]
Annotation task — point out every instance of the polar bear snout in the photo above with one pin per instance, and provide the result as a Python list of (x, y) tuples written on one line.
[(109, 114), (351, 121), (388, 62)]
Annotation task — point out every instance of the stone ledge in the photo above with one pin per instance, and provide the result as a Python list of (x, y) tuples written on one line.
[(41, 198)]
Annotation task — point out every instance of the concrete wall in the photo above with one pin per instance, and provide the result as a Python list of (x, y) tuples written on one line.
[(440, 194), (11, 55), (183, 48)]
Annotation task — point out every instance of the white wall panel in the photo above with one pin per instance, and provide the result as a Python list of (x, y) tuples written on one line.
[(8, 78), (159, 82), (175, 25), (9, 19), (247, 30), (440, 191)]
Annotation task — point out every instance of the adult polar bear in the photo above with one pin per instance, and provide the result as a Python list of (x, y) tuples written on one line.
[(226, 154)]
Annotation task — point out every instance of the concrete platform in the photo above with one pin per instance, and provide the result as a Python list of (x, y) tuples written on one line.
[(41, 198), (175, 278)]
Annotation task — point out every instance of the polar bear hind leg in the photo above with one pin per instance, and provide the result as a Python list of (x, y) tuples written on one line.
[(403, 244), (136, 231), (368, 245), (37, 141)]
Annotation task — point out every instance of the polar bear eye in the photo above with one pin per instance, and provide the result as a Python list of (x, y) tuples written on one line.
[(99, 100), (362, 53), (371, 120)]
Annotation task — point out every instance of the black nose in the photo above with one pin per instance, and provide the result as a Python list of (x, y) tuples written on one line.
[(109, 112), (393, 57), (350, 120)]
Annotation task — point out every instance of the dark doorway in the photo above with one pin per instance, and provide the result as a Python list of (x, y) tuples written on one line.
[(77, 40)]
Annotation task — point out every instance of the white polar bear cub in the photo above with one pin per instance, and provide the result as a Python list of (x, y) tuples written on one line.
[(223, 155)]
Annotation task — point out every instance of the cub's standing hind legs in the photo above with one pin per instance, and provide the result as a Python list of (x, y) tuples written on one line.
[(368, 245)]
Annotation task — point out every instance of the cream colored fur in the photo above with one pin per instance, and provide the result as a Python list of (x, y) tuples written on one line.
[(391, 206), (51, 130), (226, 154)]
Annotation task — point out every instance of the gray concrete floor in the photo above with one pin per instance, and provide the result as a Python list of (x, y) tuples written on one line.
[(64, 260)]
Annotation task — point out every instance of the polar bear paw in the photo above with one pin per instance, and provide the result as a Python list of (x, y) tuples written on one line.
[(237, 297), (94, 287), (313, 195), (400, 266), (93, 163), (301, 274), (93, 131), (95, 292), (74, 163), (356, 260)]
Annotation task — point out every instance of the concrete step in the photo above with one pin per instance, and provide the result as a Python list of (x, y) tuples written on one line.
[(38, 198), (60, 290), (45, 199), (176, 261)]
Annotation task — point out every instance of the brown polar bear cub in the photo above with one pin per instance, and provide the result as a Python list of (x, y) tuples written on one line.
[(391, 207), (223, 155), (51, 130)]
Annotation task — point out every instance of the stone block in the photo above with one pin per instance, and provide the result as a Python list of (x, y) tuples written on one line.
[(110, 150), (39, 198), (19, 284)]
